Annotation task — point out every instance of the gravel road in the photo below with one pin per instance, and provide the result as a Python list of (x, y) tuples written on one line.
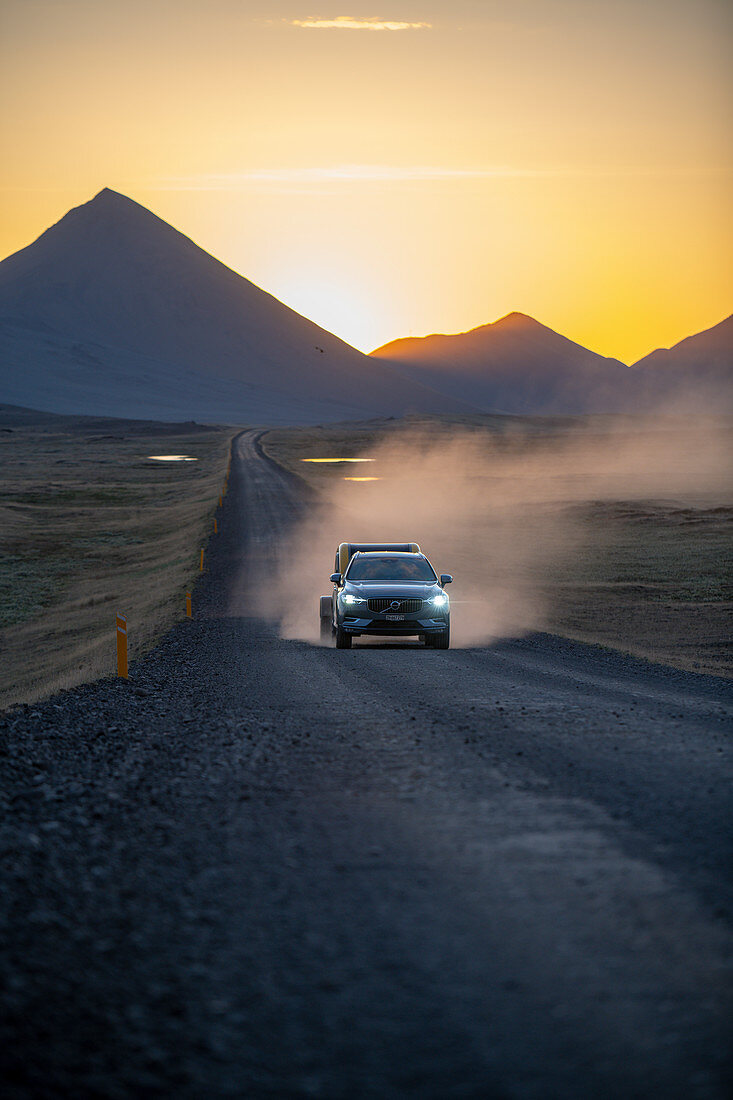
[(268, 869)]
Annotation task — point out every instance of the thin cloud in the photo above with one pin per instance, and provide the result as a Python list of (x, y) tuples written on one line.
[(347, 23), (344, 173)]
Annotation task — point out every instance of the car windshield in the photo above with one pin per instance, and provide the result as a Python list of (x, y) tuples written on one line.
[(384, 568)]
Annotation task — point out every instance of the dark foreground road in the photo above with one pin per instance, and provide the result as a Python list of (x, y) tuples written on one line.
[(265, 869)]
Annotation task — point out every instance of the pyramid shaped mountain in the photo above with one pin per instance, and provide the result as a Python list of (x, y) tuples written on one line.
[(515, 365), (113, 312)]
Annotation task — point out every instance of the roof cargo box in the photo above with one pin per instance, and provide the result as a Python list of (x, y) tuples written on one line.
[(346, 551)]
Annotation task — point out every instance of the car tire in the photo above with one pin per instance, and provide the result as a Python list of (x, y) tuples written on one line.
[(326, 630), (343, 640), (429, 640), (442, 641)]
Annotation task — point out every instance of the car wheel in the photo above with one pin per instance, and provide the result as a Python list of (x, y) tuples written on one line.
[(442, 641), (429, 640), (326, 630), (343, 640)]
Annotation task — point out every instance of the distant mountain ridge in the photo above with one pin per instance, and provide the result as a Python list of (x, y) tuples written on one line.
[(514, 365), (517, 365), (712, 347), (113, 312), (695, 375)]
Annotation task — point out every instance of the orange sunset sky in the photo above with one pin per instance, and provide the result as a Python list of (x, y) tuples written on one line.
[(402, 167)]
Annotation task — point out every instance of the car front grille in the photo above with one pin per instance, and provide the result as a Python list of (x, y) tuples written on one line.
[(406, 607)]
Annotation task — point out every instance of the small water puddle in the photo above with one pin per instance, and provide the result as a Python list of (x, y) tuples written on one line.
[(172, 458)]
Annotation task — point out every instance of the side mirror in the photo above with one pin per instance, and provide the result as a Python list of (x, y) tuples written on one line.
[(445, 578), (336, 578)]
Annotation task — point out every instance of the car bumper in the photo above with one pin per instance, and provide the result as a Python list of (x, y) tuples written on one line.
[(406, 628)]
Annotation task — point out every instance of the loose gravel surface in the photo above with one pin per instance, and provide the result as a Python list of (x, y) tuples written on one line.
[(267, 869)]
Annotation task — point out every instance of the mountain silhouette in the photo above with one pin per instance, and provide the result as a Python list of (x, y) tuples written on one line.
[(696, 373), (113, 312), (515, 365)]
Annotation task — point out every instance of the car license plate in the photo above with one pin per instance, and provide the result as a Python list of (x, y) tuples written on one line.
[(395, 618)]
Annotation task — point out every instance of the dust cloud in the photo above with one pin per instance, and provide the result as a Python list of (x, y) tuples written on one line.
[(502, 510)]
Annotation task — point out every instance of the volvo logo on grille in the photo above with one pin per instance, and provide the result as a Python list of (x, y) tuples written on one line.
[(395, 605)]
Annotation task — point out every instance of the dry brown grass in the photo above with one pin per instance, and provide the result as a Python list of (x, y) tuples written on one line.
[(646, 564), (90, 526)]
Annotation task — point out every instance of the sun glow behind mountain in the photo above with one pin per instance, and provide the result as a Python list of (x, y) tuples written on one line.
[(424, 167), (341, 306)]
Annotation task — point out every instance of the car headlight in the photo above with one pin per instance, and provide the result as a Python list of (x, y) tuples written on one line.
[(351, 600), (441, 600)]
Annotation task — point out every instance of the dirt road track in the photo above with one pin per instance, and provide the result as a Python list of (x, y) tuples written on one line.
[(267, 869)]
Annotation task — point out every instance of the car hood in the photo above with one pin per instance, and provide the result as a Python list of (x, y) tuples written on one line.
[(403, 590)]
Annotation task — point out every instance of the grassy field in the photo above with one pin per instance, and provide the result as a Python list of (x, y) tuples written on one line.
[(91, 525), (639, 549)]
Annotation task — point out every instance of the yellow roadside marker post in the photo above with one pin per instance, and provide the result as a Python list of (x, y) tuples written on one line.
[(220, 500), (188, 605), (201, 561), (121, 646), (216, 527)]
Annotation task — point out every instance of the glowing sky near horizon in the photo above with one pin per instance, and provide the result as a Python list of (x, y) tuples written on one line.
[(410, 166)]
